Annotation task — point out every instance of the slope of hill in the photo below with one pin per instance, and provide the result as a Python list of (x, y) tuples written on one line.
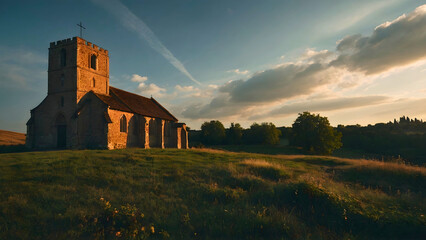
[(11, 138), (207, 194)]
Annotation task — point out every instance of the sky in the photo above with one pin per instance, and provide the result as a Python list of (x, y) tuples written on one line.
[(355, 62)]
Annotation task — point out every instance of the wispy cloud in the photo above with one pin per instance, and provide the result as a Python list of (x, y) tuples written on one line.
[(238, 71), (130, 21), (21, 68)]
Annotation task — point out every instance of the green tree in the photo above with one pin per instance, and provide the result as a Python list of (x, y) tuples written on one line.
[(212, 132), (314, 133), (265, 133), (234, 134)]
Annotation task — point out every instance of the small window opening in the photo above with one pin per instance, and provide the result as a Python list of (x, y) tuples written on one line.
[(62, 80), (123, 124), (63, 57), (62, 101), (93, 82), (93, 61)]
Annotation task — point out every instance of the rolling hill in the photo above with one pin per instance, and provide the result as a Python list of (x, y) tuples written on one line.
[(207, 194), (11, 138)]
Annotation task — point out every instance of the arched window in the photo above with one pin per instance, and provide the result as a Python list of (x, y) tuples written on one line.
[(93, 61), (62, 80), (63, 57), (123, 124), (93, 82)]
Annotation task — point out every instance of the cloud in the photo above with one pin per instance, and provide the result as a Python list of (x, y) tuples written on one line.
[(136, 25), (328, 105), (21, 68), (151, 90), (267, 88), (238, 71), (392, 44), (138, 78), (284, 82), (186, 88)]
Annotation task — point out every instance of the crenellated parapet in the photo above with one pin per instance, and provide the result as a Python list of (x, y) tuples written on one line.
[(78, 40)]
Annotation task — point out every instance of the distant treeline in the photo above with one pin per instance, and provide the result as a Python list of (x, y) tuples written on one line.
[(404, 138), (214, 133)]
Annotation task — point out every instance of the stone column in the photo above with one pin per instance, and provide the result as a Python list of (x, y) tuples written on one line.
[(162, 133), (146, 129), (178, 137)]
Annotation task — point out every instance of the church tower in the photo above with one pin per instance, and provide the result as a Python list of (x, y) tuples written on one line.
[(75, 68)]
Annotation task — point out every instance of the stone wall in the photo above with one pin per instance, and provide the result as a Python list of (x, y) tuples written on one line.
[(43, 121), (92, 125), (89, 79), (117, 139)]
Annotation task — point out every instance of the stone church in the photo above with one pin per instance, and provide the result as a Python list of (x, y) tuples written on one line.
[(81, 109)]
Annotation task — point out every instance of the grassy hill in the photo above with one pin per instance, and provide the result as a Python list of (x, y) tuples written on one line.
[(207, 194), (11, 138)]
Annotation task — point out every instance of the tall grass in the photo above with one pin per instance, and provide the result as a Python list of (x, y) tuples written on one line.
[(206, 194)]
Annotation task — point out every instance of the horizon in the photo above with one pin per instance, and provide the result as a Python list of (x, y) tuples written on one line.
[(354, 63)]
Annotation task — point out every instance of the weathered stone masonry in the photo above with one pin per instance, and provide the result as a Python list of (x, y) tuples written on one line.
[(81, 110)]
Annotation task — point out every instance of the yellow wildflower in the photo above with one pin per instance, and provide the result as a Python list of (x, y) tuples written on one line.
[(143, 229), (118, 234), (152, 229)]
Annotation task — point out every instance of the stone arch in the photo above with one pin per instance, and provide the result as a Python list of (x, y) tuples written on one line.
[(93, 61), (62, 80), (61, 130), (63, 57), (123, 123), (156, 133)]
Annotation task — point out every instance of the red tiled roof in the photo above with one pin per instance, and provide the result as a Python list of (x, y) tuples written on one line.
[(130, 102)]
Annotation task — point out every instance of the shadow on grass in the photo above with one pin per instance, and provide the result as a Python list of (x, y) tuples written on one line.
[(262, 149), (13, 148), (322, 162), (389, 181)]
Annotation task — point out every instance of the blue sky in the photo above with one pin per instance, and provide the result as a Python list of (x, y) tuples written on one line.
[(235, 61)]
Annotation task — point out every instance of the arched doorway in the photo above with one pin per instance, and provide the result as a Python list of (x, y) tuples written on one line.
[(61, 131)]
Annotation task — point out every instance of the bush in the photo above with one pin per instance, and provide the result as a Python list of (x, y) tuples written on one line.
[(314, 134), (212, 132)]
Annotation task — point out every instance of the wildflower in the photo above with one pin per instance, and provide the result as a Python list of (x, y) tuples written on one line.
[(102, 199), (143, 229), (115, 211), (118, 234), (152, 229)]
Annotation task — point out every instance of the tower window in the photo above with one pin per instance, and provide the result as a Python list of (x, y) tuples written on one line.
[(123, 124), (93, 82), (63, 57), (62, 80), (62, 101), (93, 59)]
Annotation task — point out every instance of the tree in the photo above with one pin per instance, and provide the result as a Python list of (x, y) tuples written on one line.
[(314, 133), (212, 132), (234, 134), (265, 133)]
